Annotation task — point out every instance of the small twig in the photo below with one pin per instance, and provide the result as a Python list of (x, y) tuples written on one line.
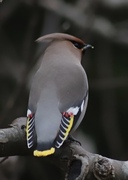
[(3, 159)]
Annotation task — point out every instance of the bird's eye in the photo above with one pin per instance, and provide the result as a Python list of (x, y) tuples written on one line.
[(78, 45)]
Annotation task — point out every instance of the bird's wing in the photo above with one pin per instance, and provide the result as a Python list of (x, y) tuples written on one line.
[(30, 128), (68, 121)]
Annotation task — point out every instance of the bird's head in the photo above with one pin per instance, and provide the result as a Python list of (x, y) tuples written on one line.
[(76, 45)]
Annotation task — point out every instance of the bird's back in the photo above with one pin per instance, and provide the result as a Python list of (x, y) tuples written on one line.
[(66, 75)]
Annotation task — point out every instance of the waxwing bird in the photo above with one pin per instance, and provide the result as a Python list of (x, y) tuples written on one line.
[(58, 95)]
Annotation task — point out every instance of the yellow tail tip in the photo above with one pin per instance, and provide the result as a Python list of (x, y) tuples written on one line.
[(44, 153)]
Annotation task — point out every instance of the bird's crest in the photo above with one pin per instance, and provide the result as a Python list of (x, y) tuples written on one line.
[(55, 36)]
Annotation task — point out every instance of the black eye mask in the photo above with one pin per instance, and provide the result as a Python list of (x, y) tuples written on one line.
[(78, 45)]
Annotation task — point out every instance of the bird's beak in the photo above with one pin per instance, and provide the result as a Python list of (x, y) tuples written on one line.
[(87, 46)]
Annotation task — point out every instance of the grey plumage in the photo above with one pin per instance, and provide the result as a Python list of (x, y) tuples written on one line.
[(60, 85)]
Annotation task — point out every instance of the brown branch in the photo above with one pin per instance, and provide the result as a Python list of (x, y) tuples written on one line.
[(77, 163)]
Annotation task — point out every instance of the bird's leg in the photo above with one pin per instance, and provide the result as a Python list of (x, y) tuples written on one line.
[(71, 138)]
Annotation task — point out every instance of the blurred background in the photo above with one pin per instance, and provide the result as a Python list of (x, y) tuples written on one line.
[(102, 23)]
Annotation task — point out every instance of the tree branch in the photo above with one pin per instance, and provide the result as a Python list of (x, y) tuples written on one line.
[(77, 163)]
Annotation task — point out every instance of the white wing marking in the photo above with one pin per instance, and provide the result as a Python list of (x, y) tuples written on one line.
[(29, 112), (82, 106), (73, 110)]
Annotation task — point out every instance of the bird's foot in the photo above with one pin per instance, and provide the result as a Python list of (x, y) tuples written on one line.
[(71, 138), (44, 153)]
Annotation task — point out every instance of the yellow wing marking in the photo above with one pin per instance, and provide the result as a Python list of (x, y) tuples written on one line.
[(27, 127), (69, 127), (30, 131)]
